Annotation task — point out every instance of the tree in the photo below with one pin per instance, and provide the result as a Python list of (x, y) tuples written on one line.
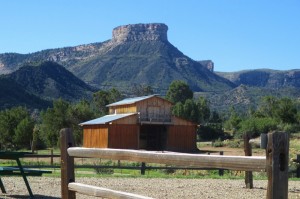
[(267, 107), (103, 98), (54, 119), (16, 127), (24, 133), (142, 90), (65, 115), (179, 91), (286, 111), (78, 113), (256, 126), (203, 108), (234, 120)]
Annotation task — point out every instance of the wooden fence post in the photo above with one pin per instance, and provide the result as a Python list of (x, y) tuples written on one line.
[(277, 165), (143, 168), (67, 163), (221, 171), (51, 159), (248, 152), (298, 168)]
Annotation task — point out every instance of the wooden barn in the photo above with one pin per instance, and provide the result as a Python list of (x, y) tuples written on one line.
[(140, 123)]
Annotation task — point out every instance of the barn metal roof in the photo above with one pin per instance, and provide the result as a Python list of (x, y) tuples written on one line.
[(130, 100), (106, 119)]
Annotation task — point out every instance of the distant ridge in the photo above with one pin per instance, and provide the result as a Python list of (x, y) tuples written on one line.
[(13, 94), (50, 81), (264, 78), (136, 54)]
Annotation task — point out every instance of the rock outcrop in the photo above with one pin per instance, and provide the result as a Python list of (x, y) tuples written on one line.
[(208, 64), (140, 32)]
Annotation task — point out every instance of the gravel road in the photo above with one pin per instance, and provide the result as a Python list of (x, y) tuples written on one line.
[(49, 187)]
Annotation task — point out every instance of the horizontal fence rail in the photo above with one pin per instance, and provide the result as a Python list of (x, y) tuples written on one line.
[(275, 164), (102, 192), (241, 163)]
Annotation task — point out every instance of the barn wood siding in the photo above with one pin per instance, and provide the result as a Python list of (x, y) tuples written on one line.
[(123, 136), (163, 105), (95, 136), (181, 138), (130, 108), (127, 120), (180, 121)]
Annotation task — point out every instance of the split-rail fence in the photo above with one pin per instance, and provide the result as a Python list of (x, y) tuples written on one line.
[(275, 164)]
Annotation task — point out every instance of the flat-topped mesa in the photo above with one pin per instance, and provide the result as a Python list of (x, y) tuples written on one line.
[(140, 32)]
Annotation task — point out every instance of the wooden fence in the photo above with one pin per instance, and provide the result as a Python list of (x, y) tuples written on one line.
[(275, 164)]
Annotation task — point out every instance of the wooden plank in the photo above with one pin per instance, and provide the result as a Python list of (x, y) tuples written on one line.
[(248, 152), (67, 163), (103, 192), (241, 163), (277, 165)]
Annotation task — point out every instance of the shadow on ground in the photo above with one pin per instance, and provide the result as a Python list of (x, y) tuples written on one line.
[(25, 197)]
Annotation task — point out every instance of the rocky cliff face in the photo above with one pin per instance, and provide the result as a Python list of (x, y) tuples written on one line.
[(265, 78), (140, 32)]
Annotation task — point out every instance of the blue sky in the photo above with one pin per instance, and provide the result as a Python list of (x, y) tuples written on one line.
[(234, 34)]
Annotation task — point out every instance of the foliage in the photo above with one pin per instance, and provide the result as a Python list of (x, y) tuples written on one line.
[(142, 90), (50, 81), (256, 126), (103, 98), (195, 111), (211, 131), (54, 119), (80, 112), (179, 91), (234, 120), (13, 94), (65, 115), (16, 128), (218, 143)]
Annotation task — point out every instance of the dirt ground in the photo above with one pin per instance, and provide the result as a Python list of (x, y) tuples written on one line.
[(49, 188)]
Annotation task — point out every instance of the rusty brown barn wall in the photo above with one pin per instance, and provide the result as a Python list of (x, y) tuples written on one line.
[(95, 136), (181, 138), (127, 120), (123, 136)]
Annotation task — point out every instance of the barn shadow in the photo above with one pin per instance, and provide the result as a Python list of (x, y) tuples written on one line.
[(37, 196)]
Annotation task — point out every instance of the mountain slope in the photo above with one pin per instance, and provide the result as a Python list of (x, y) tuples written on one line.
[(137, 54), (265, 78), (50, 80), (13, 94)]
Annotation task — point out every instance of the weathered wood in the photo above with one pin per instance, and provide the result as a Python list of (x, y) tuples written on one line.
[(67, 164), (240, 163), (298, 168), (221, 171), (103, 192), (143, 168), (248, 152), (277, 165)]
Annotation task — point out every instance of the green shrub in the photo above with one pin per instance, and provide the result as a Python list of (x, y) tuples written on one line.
[(218, 143), (234, 143)]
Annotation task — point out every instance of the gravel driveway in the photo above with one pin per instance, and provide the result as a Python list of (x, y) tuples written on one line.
[(49, 187)]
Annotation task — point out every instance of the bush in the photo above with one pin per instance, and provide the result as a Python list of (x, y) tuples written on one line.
[(218, 143), (210, 132), (234, 143)]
